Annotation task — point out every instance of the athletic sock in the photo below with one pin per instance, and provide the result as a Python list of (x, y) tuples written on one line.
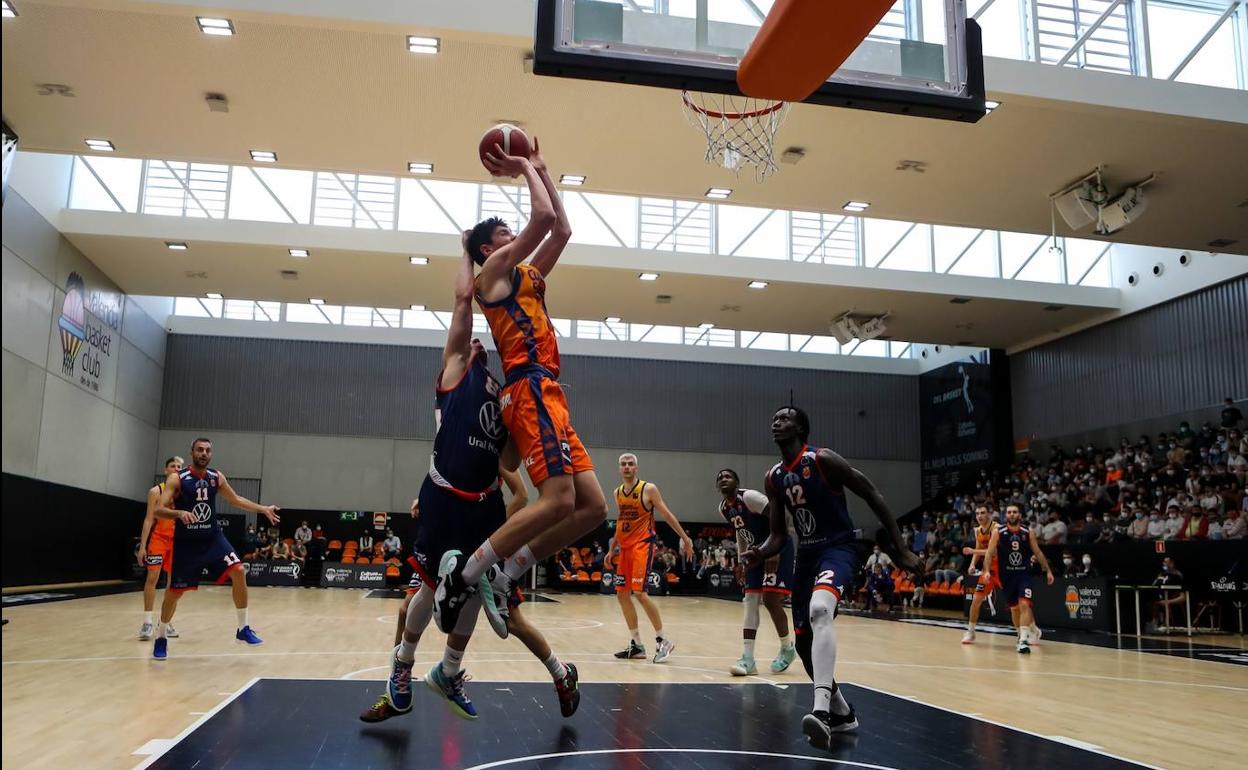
[(160, 629), (635, 633), (786, 642), (452, 659), (823, 698), (519, 563), (748, 648), (1024, 635), (478, 562), (242, 617), (555, 667), (659, 637), (407, 651), (147, 617)]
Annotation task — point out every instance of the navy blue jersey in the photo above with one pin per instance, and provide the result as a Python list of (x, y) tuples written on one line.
[(746, 516), (1013, 549), (817, 505), (197, 493), (471, 434)]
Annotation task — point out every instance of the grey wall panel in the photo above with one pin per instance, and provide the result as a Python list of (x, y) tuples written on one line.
[(139, 383), (410, 464), (146, 334), (30, 236), (75, 436), (23, 410), (323, 471), (1173, 359), (27, 309), (236, 454), (385, 391), (131, 446)]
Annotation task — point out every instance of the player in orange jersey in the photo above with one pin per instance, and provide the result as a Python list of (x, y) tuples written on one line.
[(632, 547), (983, 588), (512, 295), (156, 550)]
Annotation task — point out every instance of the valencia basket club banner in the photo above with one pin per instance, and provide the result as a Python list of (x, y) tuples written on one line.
[(353, 576), (274, 573)]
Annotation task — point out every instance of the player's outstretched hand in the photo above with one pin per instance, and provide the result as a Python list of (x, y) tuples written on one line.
[(270, 513), (967, 550), (535, 157), (142, 554), (500, 163), (750, 558), (415, 509), (1048, 576)]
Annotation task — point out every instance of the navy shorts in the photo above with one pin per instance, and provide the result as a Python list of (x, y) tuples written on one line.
[(192, 557), (450, 523), (821, 568), (780, 581), (1016, 586)]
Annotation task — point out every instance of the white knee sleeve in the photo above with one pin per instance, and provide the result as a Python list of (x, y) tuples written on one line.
[(822, 607), (751, 601)]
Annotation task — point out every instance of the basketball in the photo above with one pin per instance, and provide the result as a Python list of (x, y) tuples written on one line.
[(513, 141)]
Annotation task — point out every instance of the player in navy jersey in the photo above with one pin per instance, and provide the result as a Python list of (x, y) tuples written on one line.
[(809, 484), (198, 543), (460, 504), (767, 584), (1009, 545)]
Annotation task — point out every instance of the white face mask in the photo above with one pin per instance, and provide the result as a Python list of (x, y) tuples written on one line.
[(1087, 560)]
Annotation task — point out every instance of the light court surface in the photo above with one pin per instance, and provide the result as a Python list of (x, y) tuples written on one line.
[(923, 699)]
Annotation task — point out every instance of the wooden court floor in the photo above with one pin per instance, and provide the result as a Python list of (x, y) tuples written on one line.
[(80, 691)]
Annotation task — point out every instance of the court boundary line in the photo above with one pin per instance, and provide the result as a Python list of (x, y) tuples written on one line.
[(192, 727)]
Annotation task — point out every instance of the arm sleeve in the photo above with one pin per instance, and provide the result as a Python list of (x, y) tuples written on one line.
[(754, 500)]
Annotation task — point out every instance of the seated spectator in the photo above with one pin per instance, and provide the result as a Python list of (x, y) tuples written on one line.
[(303, 534), (1054, 531), (949, 573), (1109, 529), (1195, 525), (1236, 525), (1215, 528), (318, 533), (1171, 601), (1086, 570), (392, 547), (265, 549), (1070, 567), (281, 551), (366, 544), (299, 552), (1138, 529), (251, 542), (1091, 531), (1156, 525), (1174, 523)]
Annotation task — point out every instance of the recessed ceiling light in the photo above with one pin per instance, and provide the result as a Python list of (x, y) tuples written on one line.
[(719, 193), (704, 327), (9, 11), (419, 168), (213, 295), (758, 284), (176, 245), (611, 319), (572, 180), (316, 301), (264, 156), (418, 308), (418, 260), (991, 105), (301, 253), (211, 26), (100, 145), (648, 276), (419, 44), (959, 300), (856, 206)]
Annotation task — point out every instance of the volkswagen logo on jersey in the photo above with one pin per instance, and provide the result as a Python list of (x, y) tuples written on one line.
[(1016, 559), (804, 520), (202, 511), (491, 420)]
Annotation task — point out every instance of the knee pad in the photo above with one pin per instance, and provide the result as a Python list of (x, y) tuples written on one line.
[(822, 607), (752, 602), (802, 644)]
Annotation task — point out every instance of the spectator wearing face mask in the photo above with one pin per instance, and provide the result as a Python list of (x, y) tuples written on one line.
[(878, 557), (1174, 523), (1086, 570), (1235, 526), (1138, 528), (1195, 525), (1091, 531), (1215, 528), (1108, 529), (1069, 565), (1054, 532), (1156, 526)]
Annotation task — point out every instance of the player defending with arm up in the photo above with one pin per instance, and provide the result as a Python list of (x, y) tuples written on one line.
[(809, 484)]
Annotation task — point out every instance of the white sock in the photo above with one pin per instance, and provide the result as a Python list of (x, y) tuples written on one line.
[(786, 642), (555, 667), (452, 659), (160, 629), (478, 562), (519, 563), (823, 698), (658, 635), (419, 612), (635, 633), (747, 647), (147, 617), (1024, 635), (242, 617)]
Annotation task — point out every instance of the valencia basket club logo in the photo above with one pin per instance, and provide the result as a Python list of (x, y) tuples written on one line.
[(1072, 601), (72, 323)]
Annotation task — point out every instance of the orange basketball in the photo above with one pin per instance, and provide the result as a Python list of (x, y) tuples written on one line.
[(509, 137)]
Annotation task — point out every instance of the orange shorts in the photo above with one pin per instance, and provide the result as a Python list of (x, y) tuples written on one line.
[(632, 567), (159, 552), (987, 586), (535, 412)]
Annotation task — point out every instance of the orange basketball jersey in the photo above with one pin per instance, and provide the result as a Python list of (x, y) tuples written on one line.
[(636, 522), (981, 543), (520, 324), (163, 527)]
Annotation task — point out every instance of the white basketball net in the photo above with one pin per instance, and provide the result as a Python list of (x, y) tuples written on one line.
[(740, 130)]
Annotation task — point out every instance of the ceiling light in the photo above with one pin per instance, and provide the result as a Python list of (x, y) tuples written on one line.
[(418, 308), (648, 277), (856, 206), (211, 26), (419, 44), (9, 11), (719, 193), (301, 253), (213, 295), (316, 301), (264, 156), (175, 245), (959, 300), (758, 284), (100, 145), (419, 168), (572, 180), (991, 105), (611, 319), (705, 327), (418, 260)]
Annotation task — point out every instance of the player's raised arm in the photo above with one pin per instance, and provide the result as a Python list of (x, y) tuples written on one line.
[(1040, 557), (458, 347), (655, 499), (561, 232), (238, 501), (500, 262), (838, 468)]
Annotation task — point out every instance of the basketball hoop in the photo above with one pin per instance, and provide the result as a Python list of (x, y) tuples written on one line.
[(739, 129)]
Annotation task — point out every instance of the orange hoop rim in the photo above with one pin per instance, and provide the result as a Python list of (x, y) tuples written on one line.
[(730, 115)]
